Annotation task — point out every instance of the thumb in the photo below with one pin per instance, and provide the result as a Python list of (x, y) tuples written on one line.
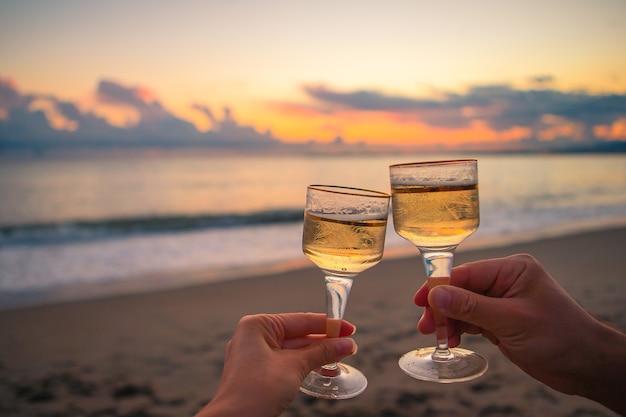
[(460, 304), (327, 351)]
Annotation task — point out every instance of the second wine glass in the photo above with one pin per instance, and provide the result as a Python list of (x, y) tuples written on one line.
[(344, 234), (435, 207)]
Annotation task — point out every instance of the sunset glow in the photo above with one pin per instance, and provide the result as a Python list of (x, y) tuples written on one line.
[(406, 73)]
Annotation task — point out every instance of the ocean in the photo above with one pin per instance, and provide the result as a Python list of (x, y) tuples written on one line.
[(86, 225)]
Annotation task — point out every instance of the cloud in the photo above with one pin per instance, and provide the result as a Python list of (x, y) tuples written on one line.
[(539, 116), (292, 109), (112, 92), (446, 113), (500, 107), (529, 108), (54, 114), (151, 111), (228, 129), (154, 118), (367, 100), (45, 120), (542, 79), (206, 111), (9, 96), (24, 117)]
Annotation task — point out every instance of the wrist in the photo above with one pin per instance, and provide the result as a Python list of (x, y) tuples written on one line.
[(215, 409), (223, 407), (235, 403), (605, 369)]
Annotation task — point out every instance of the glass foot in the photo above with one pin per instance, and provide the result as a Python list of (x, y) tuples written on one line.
[(464, 365), (334, 383)]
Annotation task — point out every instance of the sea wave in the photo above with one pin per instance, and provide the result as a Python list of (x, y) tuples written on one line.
[(87, 230)]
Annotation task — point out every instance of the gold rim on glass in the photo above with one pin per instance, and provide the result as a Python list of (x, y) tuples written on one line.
[(425, 163), (339, 189)]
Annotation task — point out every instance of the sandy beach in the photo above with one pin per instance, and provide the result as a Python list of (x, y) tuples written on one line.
[(161, 353)]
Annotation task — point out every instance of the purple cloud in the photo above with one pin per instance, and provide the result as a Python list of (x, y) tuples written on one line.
[(501, 107), (21, 124)]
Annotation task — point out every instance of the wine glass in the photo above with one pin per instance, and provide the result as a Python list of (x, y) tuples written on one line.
[(435, 207), (344, 234)]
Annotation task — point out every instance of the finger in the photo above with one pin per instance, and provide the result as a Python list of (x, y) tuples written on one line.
[(492, 338), (347, 329), (301, 342), (326, 351), (421, 296), (492, 276), (455, 328), (275, 328), (426, 324), (302, 324), (467, 306), (454, 340), (469, 328)]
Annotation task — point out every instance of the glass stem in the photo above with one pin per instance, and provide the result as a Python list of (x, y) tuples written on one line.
[(438, 269), (337, 292)]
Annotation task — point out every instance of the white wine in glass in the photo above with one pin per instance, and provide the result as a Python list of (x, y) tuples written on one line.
[(344, 234), (435, 206)]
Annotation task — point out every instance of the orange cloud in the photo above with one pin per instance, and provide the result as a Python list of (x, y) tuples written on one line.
[(615, 131), (300, 123), (145, 94), (56, 119), (8, 82), (296, 109), (116, 115), (483, 113)]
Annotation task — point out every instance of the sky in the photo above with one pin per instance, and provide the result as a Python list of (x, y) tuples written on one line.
[(401, 72)]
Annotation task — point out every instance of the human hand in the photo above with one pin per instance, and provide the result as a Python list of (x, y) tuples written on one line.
[(267, 359), (520, 308)]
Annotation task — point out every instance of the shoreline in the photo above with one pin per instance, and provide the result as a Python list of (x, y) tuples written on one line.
[(161, 353), (157, 282)]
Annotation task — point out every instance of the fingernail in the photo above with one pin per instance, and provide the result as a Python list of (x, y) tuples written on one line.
[(441, 298), (345, 347)]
